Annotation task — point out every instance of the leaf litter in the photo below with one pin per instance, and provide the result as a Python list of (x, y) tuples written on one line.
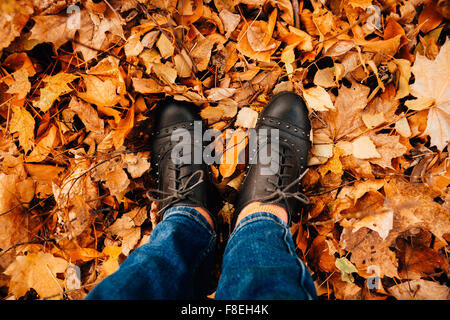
[(76, 118)]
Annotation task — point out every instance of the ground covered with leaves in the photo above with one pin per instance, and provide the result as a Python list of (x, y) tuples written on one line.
[(79, 81)]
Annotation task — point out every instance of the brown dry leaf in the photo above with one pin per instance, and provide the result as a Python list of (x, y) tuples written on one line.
[(230, 21), (99, 92), (165, 46), (112, 264), (345, 120), (37, 271), (43, 175), (217, 94), (429, 18), (325, 78), (123, 128), (363, 148), (136, 164), (389, 147), (128, 228), (55, 86), (344, 290), (381, 109), (333, 164), (183, 64), (246, 118), (13, 225), (104, 84), (44, 145), (88, 115), (52, 28), (133, 47), (420, 290), (167, 74), (201, 53), (432, 82), (212, 114), (420, 261), (22, 122), (321, 256), (75, 192), (94, 32), (21, 85), (113, 176), (318, 99), (144, 85), (255, 39), (14, 16)]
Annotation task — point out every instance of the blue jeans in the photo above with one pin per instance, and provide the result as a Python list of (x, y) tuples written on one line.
[(259, 262)]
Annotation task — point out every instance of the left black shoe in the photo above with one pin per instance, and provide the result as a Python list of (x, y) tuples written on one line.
[(178, 183)]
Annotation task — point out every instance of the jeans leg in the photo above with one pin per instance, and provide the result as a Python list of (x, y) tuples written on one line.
[(174, 264), (260, 262)]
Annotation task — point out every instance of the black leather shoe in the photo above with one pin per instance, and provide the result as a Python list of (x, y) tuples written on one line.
[(287, 112), (180, 183)]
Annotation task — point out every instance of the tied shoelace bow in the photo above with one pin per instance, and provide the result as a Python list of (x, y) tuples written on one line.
[(177, 194)]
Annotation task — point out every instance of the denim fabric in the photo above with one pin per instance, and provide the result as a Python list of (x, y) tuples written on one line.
[(259, 262)]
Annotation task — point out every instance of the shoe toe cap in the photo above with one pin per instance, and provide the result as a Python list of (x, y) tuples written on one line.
[(171, 112), (288, 107)]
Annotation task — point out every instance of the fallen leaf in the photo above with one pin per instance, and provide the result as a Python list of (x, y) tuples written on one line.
[(420, 290), (44, 146), (37, 271), (56, 86), (346, 268), (363, 148), (165, 46), (88, 115), (318, 99), (22, 122), (216, 94), (246, 118), (52, 28), (230, 158), (431, 81), (21, 85)]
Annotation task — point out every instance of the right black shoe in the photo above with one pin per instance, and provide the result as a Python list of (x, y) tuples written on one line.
[(287, 112), (178, 183)]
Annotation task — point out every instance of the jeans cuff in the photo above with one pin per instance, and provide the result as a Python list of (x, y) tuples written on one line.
[(259, 216), (189, 213)]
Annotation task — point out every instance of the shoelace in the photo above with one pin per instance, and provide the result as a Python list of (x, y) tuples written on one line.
[(176, 194), (283, 194)]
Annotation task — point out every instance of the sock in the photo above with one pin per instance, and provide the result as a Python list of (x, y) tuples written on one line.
[(257, 206)]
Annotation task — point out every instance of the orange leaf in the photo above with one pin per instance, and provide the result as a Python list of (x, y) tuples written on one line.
[(124, 127), (237, 142), (429, 18)]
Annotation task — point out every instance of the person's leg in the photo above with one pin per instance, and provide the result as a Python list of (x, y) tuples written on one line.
[(176, 261), (174, 264), (260, 260)]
